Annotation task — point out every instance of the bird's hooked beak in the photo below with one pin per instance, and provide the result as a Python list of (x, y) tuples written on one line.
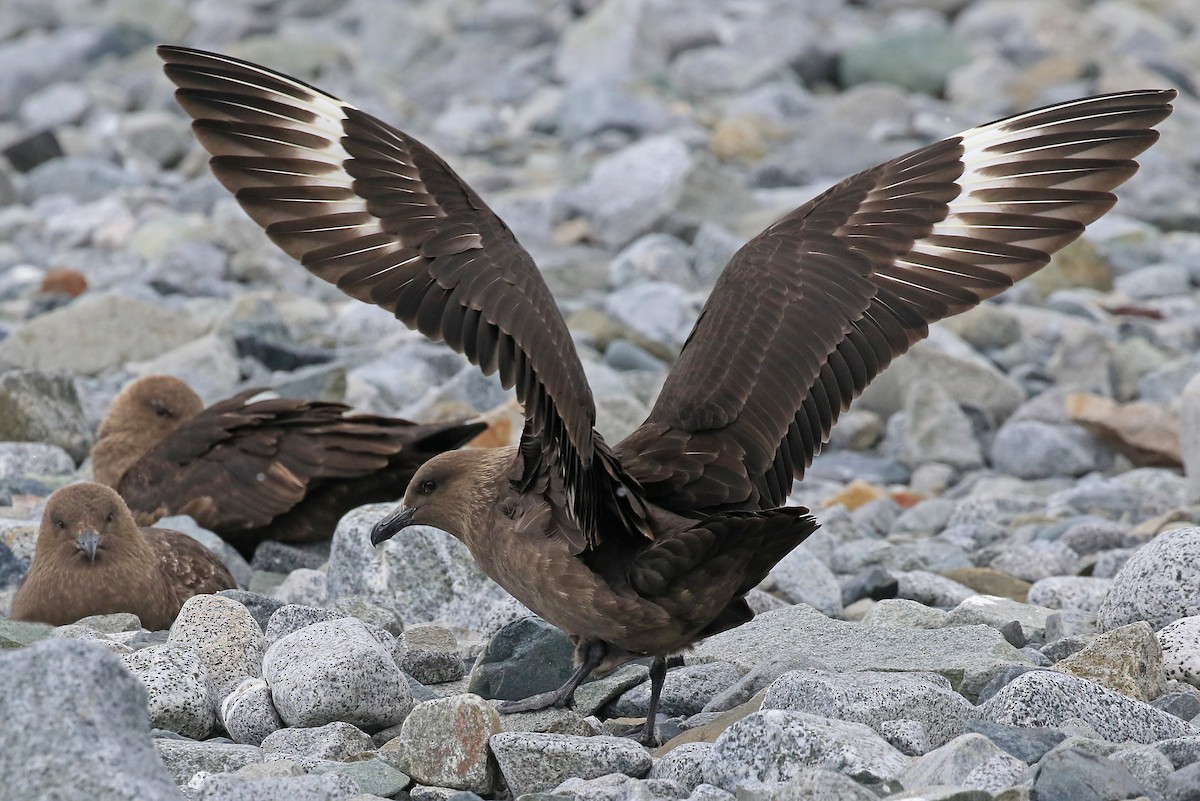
[(88, 541), (391, 525)]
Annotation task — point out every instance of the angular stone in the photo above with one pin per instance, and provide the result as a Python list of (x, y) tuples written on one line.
[(1127, 659), (180, 694), (75, 726), (971, 760), (43, 407), (184, 759), (534, 763), (774, 745), (1081, 776), (226, 637), (968, 655), (444, 743), (96, 333), (335, 741), (1048, 698), (872, 698)]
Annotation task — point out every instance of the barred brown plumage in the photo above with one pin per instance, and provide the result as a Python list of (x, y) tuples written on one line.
[(644, 547)]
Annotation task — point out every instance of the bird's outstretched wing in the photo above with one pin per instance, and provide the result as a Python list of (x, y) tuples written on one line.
[(814, 307), (372, 210)]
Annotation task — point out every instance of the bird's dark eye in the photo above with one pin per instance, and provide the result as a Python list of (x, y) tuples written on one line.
[(428, 486), (60, 524), (108, 518), (160, 408)]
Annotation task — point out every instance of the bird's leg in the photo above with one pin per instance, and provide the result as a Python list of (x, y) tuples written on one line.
[(593, 656), (658, 675)]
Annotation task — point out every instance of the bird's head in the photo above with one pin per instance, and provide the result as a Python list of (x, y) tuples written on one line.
[(82, 521), (151, 407), (452, 491)]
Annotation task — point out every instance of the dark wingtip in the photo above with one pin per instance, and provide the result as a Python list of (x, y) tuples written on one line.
[(391, 525)]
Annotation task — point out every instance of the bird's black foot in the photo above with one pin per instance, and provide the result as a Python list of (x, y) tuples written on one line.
[(535, 703), (643, 733)]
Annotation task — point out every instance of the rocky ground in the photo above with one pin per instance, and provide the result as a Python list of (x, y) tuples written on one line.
[(1002, 599)]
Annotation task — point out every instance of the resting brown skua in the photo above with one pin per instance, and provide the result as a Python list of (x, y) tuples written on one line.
[(91, 558), (253, 470), (644, 547)]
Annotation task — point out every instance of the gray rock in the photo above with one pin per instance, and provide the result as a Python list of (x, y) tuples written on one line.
[(533, 762), (248, 714), (620, 209), (1155, 281), (21, 459), (370, 613), (1069, 592), (336, 671), (1035, 560), (180, 696), (997, 612), (970, 382), (759, 678), (919, 61), (208, 364), (373, 777), (260, 606), (155, 135), (526, 657), (293, 617), (936, 429), (431, 654), (971, 760), (683, 765), (657, 310), (774, 745), (64, 700), (1048, 698), (184, 759), (425, 575), (1026, 743), (302, 586), (1033, 449), (1189, 435), (653, 257), (226, 637), (872, 698), (1183, 784), (1076, 774), (685, 691), (1147, 764), (605, 47), (444, 743), (1166, 383), (84, 179), (336, 741), (968, 656), (96, 334), (803, 578), (1180, 643), (326, 787), (1159, 584), (43, 407), (909, 737), (930, 588)]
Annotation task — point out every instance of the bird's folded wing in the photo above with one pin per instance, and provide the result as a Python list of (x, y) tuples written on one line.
[(189, 566), (238, 465), (813, 308), (372, 210)]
